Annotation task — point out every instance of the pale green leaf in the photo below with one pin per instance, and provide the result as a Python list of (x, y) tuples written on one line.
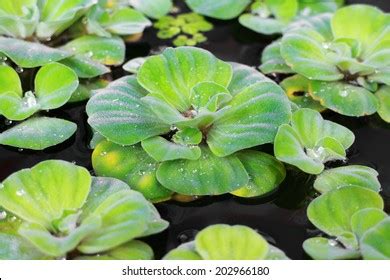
[(351, 175), (375, 243), (209, 175), (152, 8), (38, 133), (222, 9), (321, 248), (365, 219), (224, 242)]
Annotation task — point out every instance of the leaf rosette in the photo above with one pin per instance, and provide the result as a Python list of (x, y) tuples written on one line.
[(187, 116), (357, 229), (309, 141), (345, 58), (278, 16), (63, 211), (224, 242)]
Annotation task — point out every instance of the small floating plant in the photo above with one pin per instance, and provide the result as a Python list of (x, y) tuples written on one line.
[(184, 124)]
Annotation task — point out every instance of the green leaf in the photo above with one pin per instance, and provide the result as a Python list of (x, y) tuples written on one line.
[(125, 21), (85, 67), (53, 93), (132, 165), (223, 242), (45, 192), (185, 251), (344, 98), (9, 80), (124, 214), (304, 52), (209, 95), (18, 18), (222, 9), (209, 175), (383, 95), (297, 90), (56, 16), (275, 253), (55, 246), (265, 173), (119, 114), (133, 250), (38, 133), (332, 215), (173, 74), (351, 175), (188, 136), (360, 22), (85, 90), (29, 54), (251, 118), (311, 141), (161, 149), (14, 247), (152, 8), (321, 248), (243, 76), (375, 242), (262, 25), (108, 51), (365, 219), (272, 60), (288, 148), (133, 65), (283, 10)]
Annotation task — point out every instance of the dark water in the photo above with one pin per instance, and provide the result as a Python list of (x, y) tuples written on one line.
[(280, 217)]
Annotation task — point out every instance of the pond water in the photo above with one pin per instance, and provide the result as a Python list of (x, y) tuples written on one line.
[(281, 216)]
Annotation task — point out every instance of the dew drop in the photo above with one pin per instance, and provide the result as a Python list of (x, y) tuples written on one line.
[(3, 215), (8, 122), (344, 93), (20, 192)]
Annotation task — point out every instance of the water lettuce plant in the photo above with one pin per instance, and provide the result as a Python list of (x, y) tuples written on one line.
[(276, 16), (62, 211), (222, 9), (224, 242), (309, 141), (183, 26), (54, 86), (344, 58), (355, 222), (184, 120)]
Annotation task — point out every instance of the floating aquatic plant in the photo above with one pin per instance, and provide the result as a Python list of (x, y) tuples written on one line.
[(224, 242), (277, 16), (309, 141), (183, 121), (222, 9), (344, 58), (54, 85), (183, 26), (354, 220), (61, 209)]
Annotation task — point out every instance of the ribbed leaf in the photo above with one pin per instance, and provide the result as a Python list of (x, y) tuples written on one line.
[(223, 242), (161, 149), (344, 98), (38, 133), (321, 248), (222, 9), (332, 215), (173, 74), (209, 175), (250, 119), (375, 242), (152, 8), (124, 214), (118, 113), (132, 165), (45, 192), (29, 54), (108, 51), (265, 173), (351, 175)]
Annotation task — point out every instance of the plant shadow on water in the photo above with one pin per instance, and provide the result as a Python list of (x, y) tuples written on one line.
[(281, 216)]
